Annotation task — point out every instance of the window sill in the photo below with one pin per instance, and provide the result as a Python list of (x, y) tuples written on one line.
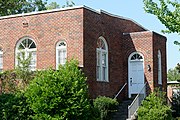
[(105, 81)]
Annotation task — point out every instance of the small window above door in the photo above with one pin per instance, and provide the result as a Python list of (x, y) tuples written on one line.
[(136, 57)]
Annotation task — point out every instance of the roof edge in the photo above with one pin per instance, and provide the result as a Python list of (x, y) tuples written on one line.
[(42, 12), (121, 17), (139, 32), (71, 8)]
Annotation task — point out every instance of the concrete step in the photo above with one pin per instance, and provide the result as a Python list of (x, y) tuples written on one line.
[(122, 112)]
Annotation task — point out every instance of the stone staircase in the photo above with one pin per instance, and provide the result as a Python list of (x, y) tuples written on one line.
[(122, 112)]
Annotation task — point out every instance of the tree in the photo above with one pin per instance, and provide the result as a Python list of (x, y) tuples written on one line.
[(69, 3), (173, 74), (178, 67), (167, 12), (52, 5), (22, 69), (10, 7)]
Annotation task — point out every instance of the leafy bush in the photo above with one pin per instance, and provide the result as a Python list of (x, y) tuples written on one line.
[(8, 81), (60, 94), (105, 106), (176, 102), (154, 108), (14, 107)]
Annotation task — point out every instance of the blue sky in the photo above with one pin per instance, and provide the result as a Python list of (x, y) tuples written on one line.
[(133, 9)]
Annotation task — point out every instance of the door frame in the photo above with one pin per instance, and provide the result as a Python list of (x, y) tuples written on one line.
[(129, 61)]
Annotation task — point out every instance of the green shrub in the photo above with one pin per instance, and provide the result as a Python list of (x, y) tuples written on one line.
[(60, 94), (154, 108), (8, 81), (176, 103), (105, 106), (14, 107)]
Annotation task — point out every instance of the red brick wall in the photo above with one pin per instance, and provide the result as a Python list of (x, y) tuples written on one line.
[(46, 30), (159, 43), (120, 46), (81, 28), (147, 43), (96, 25), (140, 42)]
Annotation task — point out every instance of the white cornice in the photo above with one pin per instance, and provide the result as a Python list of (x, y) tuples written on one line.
[(42, 12), (70, 8), (117, 16)]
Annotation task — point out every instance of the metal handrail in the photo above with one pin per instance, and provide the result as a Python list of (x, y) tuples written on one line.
[(120, 90), (136, 102)]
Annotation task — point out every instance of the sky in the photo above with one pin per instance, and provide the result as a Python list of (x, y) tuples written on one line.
[(133, 9)]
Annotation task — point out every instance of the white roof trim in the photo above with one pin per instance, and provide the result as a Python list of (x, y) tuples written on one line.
[(70, 8), (41, 12), (137, 32), (117, 16), (173, 82)]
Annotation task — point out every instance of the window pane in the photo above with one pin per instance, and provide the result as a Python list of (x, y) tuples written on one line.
[(136, 57), (33, 61), (61, 56), (104, 73), (64, 56), (32, 45), (59, 52), (61, 44), (101, 44), (104, 59), (98, 72), (98, 58), (21, 46)]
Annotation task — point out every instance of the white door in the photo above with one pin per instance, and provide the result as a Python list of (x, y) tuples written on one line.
[(136, 75)]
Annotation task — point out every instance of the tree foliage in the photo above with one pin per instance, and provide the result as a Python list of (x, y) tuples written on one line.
[(154, 108), (10, 7), (178, 67), (14, 107), (8, 82), (69, 3), (60, 94), (105, 106), (176, 102), (23, 72), (168, 12), (52, 5), (173, 74)]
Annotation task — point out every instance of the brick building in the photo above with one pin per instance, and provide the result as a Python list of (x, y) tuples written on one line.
[(111, 50)]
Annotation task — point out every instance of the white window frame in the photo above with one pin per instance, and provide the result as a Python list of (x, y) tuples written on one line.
[(64, 57), (100, 75), (27, 51), (1, 58), (159, 68)]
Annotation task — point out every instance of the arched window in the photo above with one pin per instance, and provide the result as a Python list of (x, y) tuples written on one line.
[(61, 53), (102, 60), (159, 68), (24, 48), (136, 57), (1, 60)]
